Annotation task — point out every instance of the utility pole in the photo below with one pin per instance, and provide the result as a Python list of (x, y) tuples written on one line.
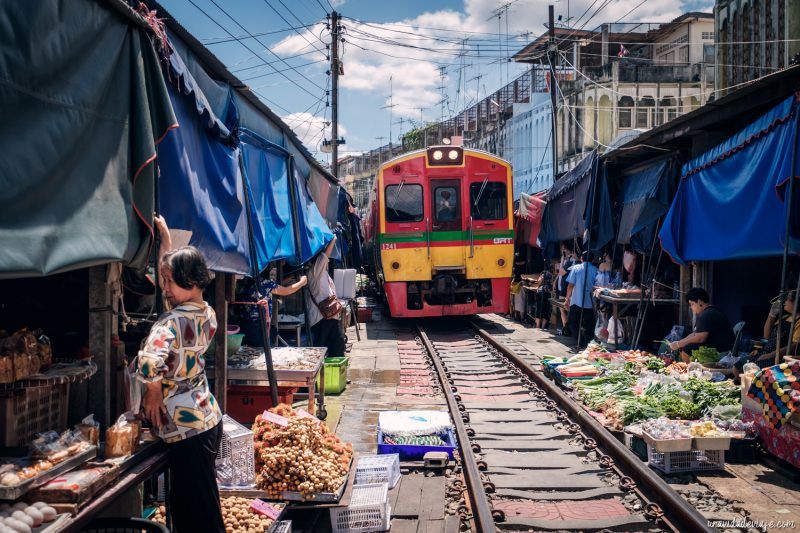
[(551, 49), (390, 107), (335, 69)]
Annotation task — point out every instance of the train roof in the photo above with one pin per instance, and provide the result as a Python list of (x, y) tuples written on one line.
[(424, 150)]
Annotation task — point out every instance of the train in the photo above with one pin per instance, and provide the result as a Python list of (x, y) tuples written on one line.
[(439, 232)]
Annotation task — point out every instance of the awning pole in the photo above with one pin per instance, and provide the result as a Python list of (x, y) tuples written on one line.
[(296, 232), (787, 236), (262, 315), (593, 188)]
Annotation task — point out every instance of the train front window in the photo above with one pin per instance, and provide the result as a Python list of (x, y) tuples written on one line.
[(447, 207), (488, 200), (404, 203)]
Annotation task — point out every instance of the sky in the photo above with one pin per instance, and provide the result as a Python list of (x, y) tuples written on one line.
[(405, 62)]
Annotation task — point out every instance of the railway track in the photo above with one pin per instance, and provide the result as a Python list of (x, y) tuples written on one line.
[(532, 459)]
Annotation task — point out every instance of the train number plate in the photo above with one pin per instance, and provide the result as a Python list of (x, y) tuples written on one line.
[(389, 246), (503, 240)]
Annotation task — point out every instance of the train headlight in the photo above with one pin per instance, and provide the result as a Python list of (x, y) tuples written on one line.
[(501, 262), (395, 265), (453, 155), (438, 155)]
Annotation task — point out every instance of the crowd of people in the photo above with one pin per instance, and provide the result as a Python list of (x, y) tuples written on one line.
[(572, 281)]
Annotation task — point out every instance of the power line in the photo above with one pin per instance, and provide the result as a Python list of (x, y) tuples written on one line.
[(289, 23), (208, 41), (259, 41), (280, 71)]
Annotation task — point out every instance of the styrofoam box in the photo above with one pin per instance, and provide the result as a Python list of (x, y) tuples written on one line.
[(344, 279), (368, 512), (378, 469)]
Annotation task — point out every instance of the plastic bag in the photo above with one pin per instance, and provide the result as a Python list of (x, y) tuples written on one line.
[(616, 332), (600, 328), (90, 429), (119, 439), (675, 334)]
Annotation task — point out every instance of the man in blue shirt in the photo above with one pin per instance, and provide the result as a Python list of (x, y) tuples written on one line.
[(580, 281)]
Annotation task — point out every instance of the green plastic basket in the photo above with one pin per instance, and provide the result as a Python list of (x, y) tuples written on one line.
[(335, 374)]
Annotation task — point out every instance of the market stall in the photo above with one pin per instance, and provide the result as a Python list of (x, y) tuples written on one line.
[(294, 368), (677, 416)]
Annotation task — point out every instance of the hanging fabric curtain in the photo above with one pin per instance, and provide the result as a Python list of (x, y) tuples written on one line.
[(564, 214), (267, 169), (531, 210), (200, 187), (84, 105), (646, 193), (727, 205)]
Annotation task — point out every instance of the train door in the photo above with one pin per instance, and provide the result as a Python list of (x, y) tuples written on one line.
[(447, 225), (490, 231)]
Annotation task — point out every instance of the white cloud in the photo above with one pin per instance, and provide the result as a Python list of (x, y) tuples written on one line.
[(411, 50), (312, 129)]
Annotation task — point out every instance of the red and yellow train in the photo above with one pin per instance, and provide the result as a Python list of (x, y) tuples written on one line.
[(440, 232)]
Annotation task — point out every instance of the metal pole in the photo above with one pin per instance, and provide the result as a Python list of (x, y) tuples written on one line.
[(552, 60), (262, 316), (787, 235), (593, 196), (335, 94)]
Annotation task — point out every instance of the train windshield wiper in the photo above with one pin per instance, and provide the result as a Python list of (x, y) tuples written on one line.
[(483, 188), (397, 196)]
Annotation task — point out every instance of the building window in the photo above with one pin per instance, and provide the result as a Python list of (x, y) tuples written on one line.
[(625, 118), (708, 36)]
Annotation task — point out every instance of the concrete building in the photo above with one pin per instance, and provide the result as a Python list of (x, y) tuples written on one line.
[(526, 144), (626, 76), (754, 38)]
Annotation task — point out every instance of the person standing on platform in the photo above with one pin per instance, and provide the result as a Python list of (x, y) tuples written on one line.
[(322, 306), (177, 399), (579, 299)]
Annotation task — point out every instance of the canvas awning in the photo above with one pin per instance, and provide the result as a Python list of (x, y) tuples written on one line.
[(529, 218), (727, 205), (645, 194), (84, 105)]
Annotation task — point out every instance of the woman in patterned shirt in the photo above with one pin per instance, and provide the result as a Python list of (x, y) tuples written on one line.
[(178, 401)]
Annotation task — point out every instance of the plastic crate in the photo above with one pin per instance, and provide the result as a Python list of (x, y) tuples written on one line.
[(368, 511), (691, 461), (413, 452), (335, 374), (246, 402), (378, 469), (32, 410), (235, 458), (284, 526)]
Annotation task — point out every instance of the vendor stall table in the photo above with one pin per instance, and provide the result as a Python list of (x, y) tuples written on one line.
[(289, 378), (291, 326), (146, 463), (630, 300)]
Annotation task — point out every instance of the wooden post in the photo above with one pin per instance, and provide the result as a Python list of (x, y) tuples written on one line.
[(685, 284), (100, 329), (221, 338)]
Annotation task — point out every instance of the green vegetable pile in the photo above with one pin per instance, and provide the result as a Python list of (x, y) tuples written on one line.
[(707, 395), (655, 364), (705, 354)]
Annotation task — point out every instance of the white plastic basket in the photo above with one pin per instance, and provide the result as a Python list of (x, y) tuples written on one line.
[(378, 469), (236, 457), (368, 511), (687, 461), (284, 526)]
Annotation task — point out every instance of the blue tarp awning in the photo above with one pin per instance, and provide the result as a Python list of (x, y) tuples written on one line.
[(267, 169), (569, 208), (201, 189), (645, 195), (727, 205)]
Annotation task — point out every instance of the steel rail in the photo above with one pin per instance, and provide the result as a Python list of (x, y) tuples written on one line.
[(481, 508), (677, 510)]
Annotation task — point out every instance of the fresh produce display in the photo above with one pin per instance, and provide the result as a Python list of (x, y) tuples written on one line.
[(297, 453), (282, 358), (638, 387), (237, 513), (705, 354), (416, 440)]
